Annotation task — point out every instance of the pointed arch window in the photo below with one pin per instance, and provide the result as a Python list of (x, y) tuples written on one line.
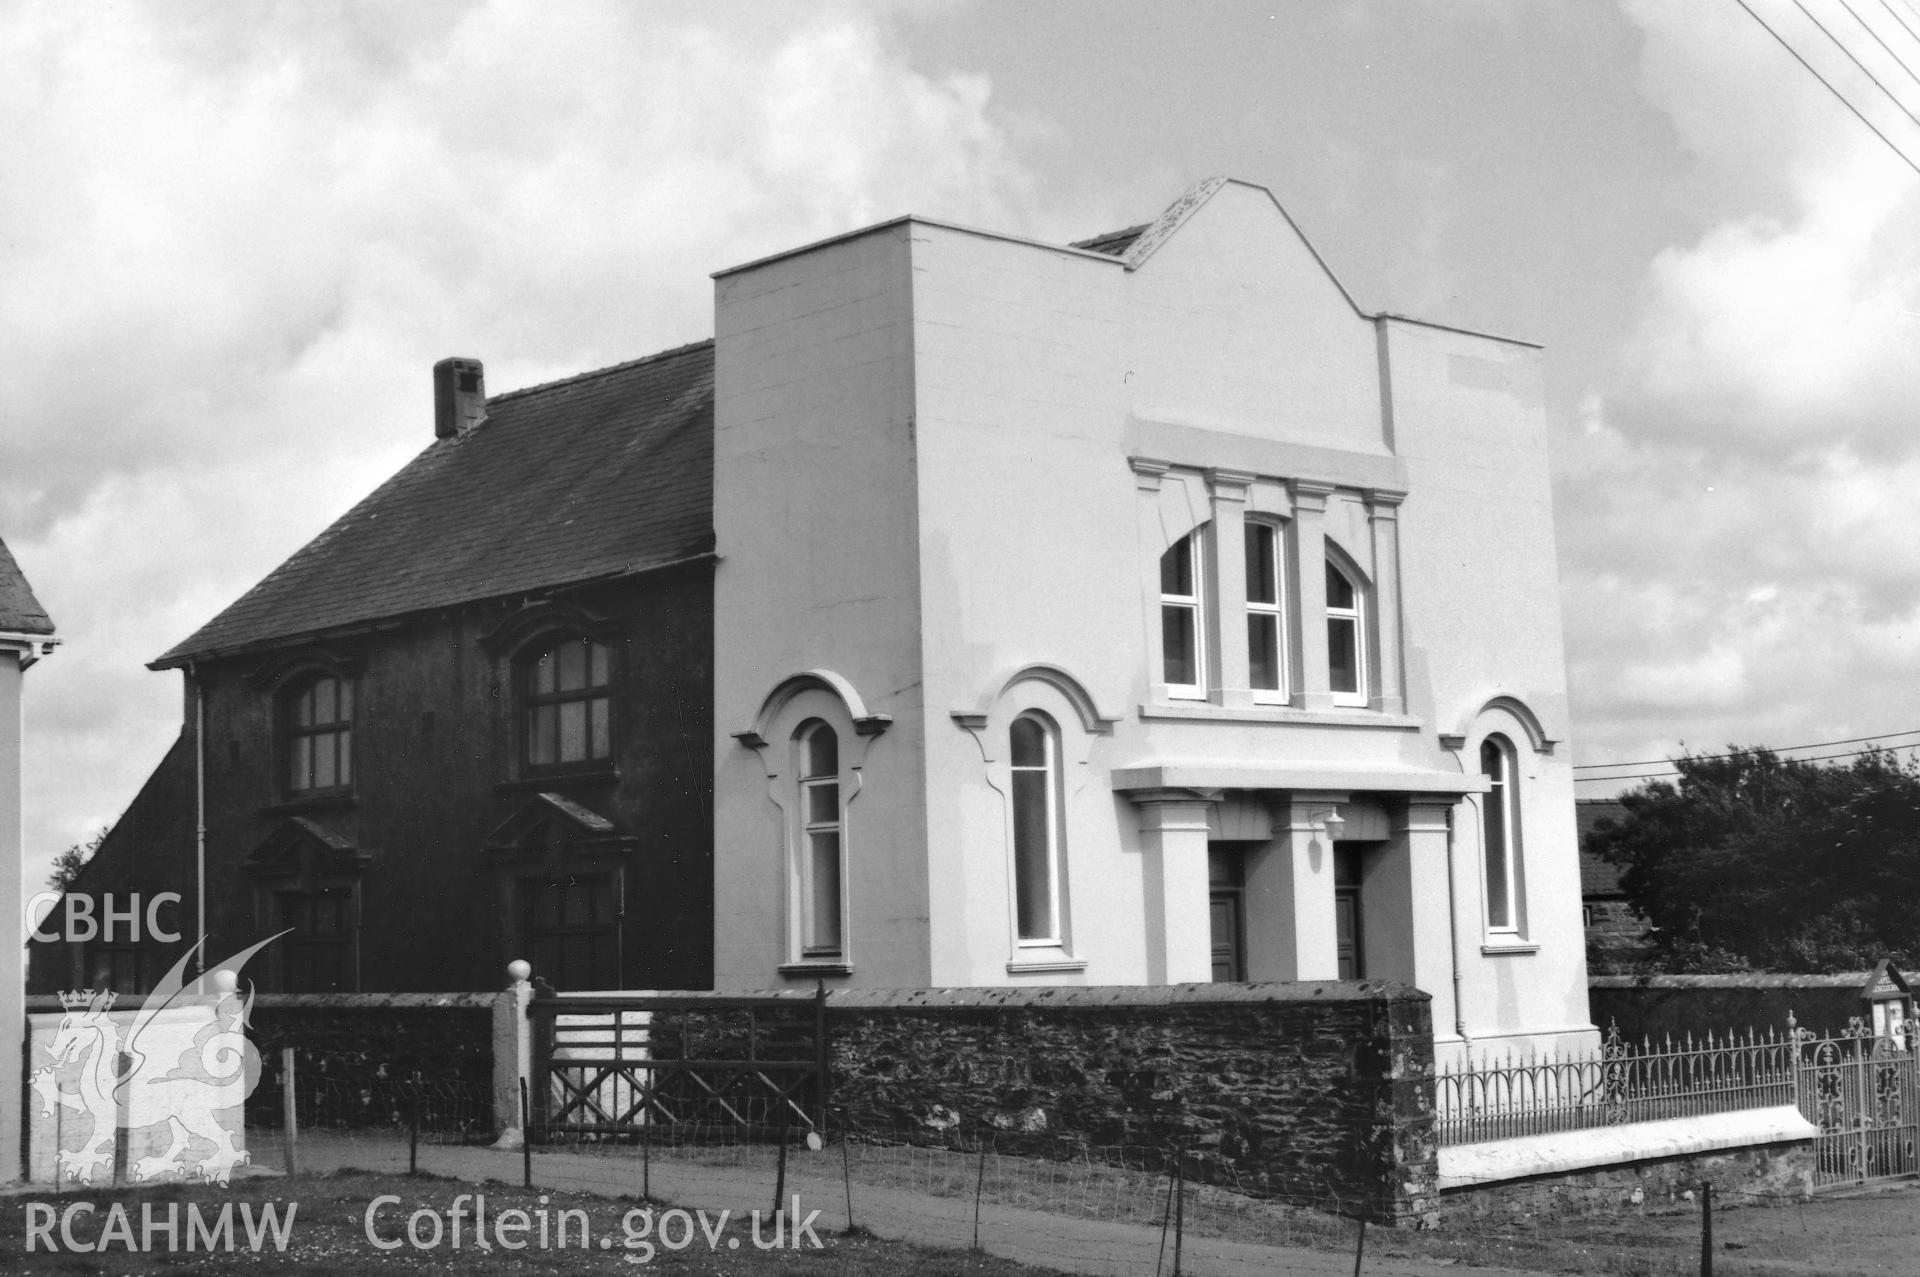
[(1500, 835), (1034, 750), (1346, 637), (822, 850), (1182, 624)]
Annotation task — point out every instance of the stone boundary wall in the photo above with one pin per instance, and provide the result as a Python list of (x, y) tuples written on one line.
[(1314, 1091), (1654, 1006)]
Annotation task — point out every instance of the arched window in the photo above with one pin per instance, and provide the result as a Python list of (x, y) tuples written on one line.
[(1346, 646), (317, 727), (1035, 751), (1500, 834), (564, 691), (822, 842), (1266, 612), (1181, 625)]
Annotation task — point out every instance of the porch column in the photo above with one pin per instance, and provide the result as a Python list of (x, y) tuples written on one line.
[(1383, 515), (1309, 567), (1407, 905), (1173, 848), (1292, 887)]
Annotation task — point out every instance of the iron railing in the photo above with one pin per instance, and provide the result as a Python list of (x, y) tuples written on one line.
[(1620, 1083)]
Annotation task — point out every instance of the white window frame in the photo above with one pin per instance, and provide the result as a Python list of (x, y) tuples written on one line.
[(1051, 848), (1502, 798), (1357, 614), (1277, 609), (1195, 606), (808, 948)]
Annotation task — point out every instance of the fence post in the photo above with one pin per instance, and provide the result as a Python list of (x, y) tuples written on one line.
[(1179, 1205), (289, 1116), (780, 1176), (979, 1189), (820, 1082), (543, 1012), (1706, 1228), (526, 1145)]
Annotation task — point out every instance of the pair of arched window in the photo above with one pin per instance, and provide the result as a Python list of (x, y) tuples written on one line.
[(1183, 620)]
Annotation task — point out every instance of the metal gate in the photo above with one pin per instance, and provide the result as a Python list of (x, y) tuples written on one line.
[(1864, 1095), (704, 1067)]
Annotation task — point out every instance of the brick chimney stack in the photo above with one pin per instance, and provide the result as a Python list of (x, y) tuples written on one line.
[(459, 396)]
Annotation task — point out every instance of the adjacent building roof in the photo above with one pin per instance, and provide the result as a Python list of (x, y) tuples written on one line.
[(1113, 243), (1598, 876), (20, 612), (601, 475)]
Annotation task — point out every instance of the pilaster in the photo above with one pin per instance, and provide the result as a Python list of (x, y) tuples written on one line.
[(1383, 517), (1309, 546), (1173, 847)]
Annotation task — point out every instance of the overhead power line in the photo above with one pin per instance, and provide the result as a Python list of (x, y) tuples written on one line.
[(1674, 769), (1902, 21), (1778, 749), (1855, 59), (1868, 28), (1829, 86)]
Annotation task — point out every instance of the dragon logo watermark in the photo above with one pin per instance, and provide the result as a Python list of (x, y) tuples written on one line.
[(175, 1072)]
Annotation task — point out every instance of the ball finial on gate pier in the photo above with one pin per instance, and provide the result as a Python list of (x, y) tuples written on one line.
[(518, 970)]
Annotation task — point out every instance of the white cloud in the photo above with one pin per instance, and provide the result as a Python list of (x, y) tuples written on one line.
[(1742, 554), (236, 238)]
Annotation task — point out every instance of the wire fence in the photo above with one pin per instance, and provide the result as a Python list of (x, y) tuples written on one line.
[(1119, 1208)]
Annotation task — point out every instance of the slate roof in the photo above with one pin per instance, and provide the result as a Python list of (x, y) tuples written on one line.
[(20, 612), (1113, 243), (1598, 876), (597, 476)]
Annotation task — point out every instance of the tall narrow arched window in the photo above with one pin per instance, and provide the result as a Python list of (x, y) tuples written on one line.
[(1266, 612), (822, 847), (1500, 834), (317, 727), (1035, 752), (1182, 630), (566, 703), (1346, 645)]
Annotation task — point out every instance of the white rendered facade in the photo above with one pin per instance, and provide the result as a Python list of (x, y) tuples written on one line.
[(985, 510)]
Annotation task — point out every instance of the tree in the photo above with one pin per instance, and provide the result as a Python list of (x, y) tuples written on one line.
[(1752, 861), (68, 864)]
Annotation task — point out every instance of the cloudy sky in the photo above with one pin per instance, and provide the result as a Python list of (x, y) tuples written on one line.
[(234, 238)]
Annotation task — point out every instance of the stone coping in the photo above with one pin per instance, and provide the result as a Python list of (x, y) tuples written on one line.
[(1499, 1161), (1741, 980), (1075, 996), (315, 1001)]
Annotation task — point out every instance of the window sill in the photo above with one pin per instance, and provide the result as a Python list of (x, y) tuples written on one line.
[(1505, 948), (1280, 714), (547, 780), (1046, 966), (319, 802), (808, 970)]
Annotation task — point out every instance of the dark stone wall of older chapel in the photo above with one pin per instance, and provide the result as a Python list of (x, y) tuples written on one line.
[(435, 770)]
